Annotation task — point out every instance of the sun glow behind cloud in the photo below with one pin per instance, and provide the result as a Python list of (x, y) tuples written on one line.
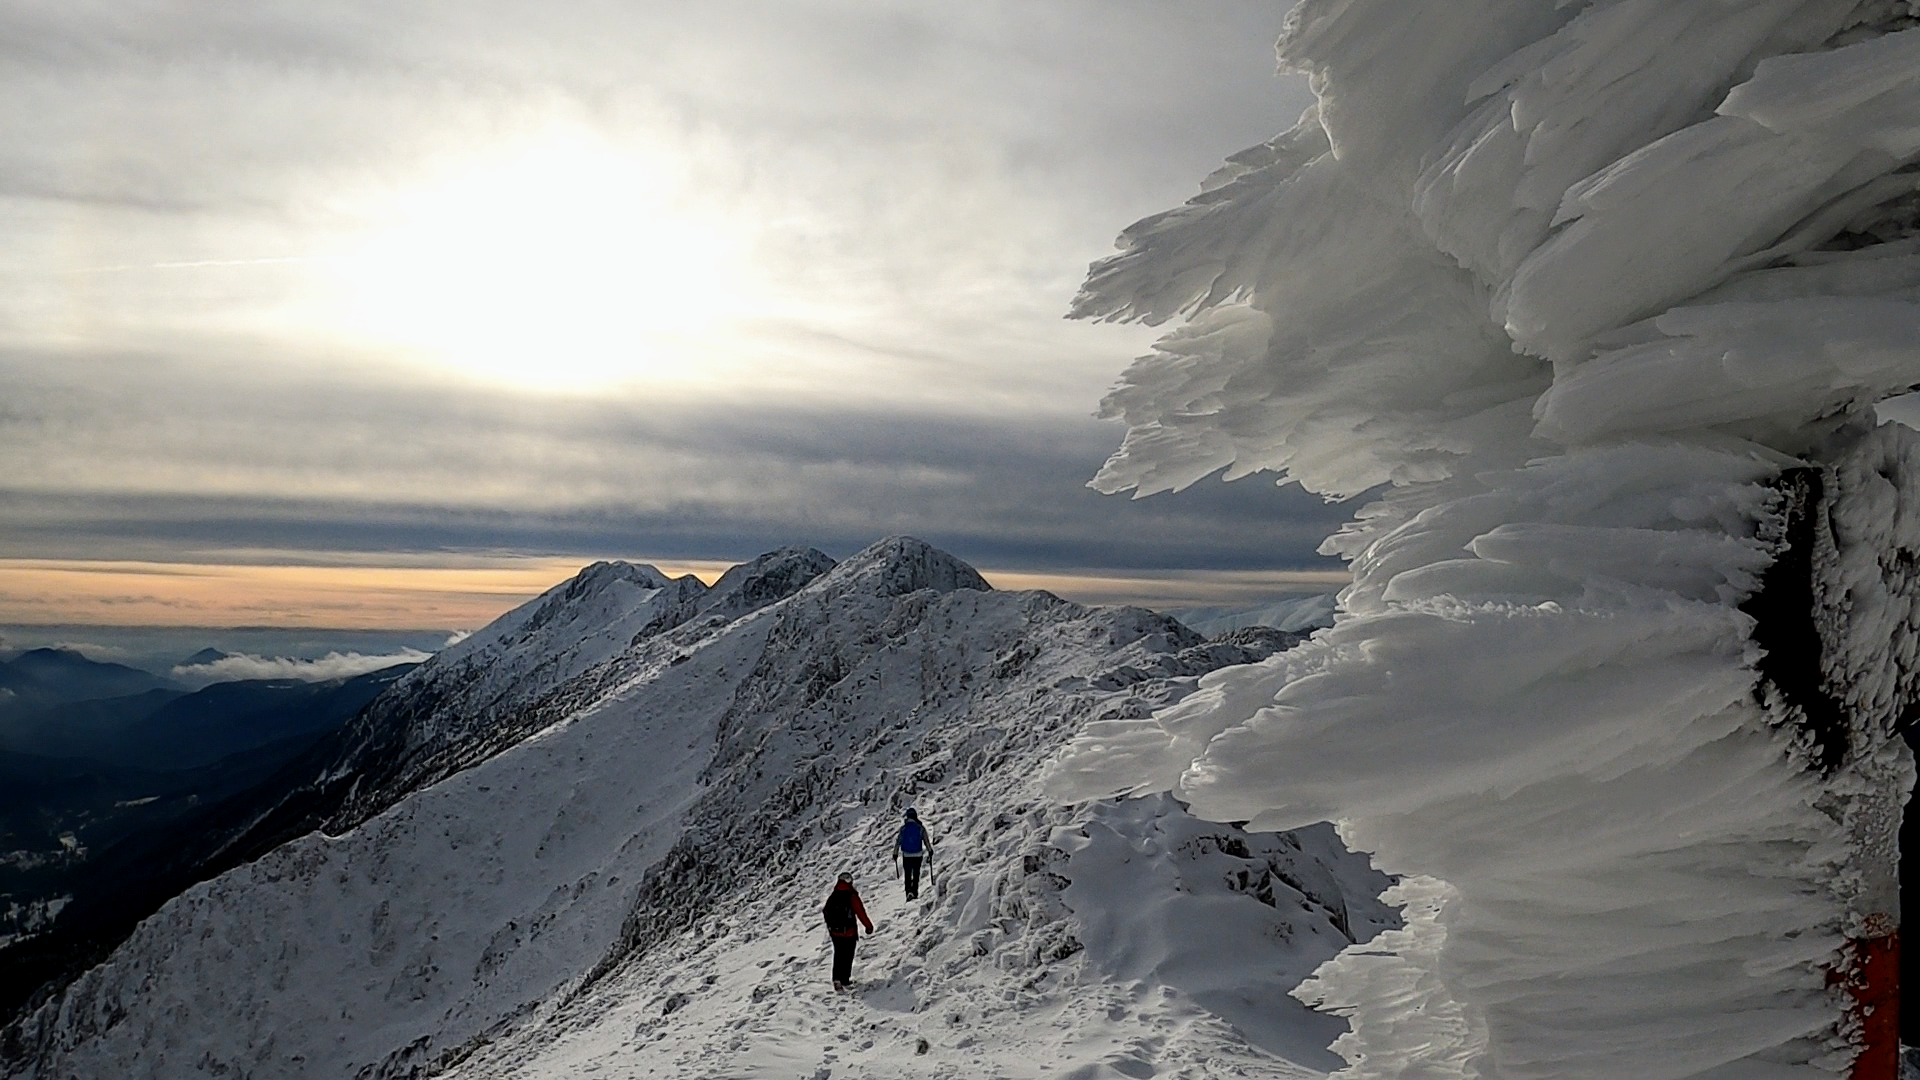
[(508, 278), (560, 261)]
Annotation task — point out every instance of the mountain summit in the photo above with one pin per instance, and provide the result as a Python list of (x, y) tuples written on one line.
[(899, 565)]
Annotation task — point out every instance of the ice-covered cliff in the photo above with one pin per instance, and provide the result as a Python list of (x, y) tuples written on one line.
[(1605, 292), (634, 884)]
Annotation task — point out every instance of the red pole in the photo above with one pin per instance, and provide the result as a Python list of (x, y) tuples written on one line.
[(1871, 975)]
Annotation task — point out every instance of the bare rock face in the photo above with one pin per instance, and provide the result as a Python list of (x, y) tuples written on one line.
[(1838, 615)]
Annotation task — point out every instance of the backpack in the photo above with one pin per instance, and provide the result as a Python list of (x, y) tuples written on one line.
[(839, 911), (912, 838)]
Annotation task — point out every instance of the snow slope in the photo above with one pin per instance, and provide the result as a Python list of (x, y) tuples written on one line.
[(1111, 940), (512, 677), (556, 908), (1605, 292)]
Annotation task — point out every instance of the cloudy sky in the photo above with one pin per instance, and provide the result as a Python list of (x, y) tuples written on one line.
[(374, 314)]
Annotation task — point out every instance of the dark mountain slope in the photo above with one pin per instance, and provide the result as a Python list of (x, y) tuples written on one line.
[(40, 677)]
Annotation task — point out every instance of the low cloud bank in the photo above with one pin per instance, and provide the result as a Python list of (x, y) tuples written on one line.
[(334, 665), (99, 654)]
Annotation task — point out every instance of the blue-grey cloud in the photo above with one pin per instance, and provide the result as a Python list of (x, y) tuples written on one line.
[(687, 482)]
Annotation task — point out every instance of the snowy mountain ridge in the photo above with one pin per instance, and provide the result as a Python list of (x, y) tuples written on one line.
[(604, 885), (491, 689)]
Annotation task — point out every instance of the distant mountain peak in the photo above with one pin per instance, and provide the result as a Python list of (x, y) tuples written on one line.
[(600, 574), (59, 674), (762, 580), (207, 655), (61, 658), (598, 580), (775, 559), (54, 653), (898, 565), (485, 692)]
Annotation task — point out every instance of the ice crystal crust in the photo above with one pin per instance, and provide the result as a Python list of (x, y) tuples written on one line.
[(1590, 285)]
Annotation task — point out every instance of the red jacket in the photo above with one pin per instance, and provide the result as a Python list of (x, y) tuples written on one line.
[(859, 911)]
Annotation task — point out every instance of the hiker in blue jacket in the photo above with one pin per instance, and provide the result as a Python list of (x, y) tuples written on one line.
[(910, 848)]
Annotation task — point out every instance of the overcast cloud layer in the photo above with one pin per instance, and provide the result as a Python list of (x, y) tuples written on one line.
[(684, 280)]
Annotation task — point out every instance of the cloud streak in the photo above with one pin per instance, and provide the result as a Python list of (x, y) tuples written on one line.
[(197, 264), (186, 593), (334, 665)]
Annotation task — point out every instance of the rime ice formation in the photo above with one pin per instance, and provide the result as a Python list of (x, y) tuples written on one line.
[(1606, 291)]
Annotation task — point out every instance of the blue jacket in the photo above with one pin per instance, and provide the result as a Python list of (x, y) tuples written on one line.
[(913, 839)]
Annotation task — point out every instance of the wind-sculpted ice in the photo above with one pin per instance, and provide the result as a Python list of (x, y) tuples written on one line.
[(1606, 293)]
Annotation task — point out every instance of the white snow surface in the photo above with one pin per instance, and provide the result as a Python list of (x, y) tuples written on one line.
[(1583, 283), (1181, 972), (634, 890)]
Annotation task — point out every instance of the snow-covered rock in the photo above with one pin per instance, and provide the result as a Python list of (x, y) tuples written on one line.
[(635, 884)]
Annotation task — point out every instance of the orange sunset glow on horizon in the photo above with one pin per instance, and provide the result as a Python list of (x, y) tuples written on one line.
[(42, 591), (464, 597)]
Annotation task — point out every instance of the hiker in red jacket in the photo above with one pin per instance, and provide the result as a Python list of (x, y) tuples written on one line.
[(843, 906)]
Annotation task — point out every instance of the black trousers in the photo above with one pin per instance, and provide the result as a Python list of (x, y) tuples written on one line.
[(910, 866), (843, 958)]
